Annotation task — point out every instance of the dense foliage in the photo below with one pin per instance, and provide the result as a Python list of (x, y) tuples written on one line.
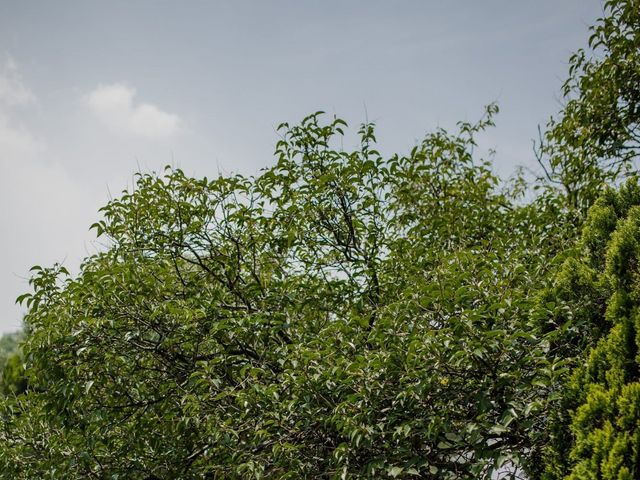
[(12, 377), (600, 439), (345, 315), (595, 142), (338, 315)]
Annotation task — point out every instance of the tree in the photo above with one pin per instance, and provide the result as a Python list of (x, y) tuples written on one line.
[(595, 139), (339, 316), (592, 145), (600, 436)]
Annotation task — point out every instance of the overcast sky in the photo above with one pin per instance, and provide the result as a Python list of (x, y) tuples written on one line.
[(91, 91)]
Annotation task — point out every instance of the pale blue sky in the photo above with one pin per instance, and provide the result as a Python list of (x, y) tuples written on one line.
[(90, 90)]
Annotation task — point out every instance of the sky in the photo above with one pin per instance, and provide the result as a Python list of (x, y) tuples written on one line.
[(91, 92)]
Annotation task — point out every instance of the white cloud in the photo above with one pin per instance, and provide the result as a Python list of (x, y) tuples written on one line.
[(16, 141), (114, 106), (13, 91)]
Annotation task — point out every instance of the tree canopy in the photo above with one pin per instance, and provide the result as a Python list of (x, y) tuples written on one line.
[(600, 439), (595, 139), (339, 315)]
